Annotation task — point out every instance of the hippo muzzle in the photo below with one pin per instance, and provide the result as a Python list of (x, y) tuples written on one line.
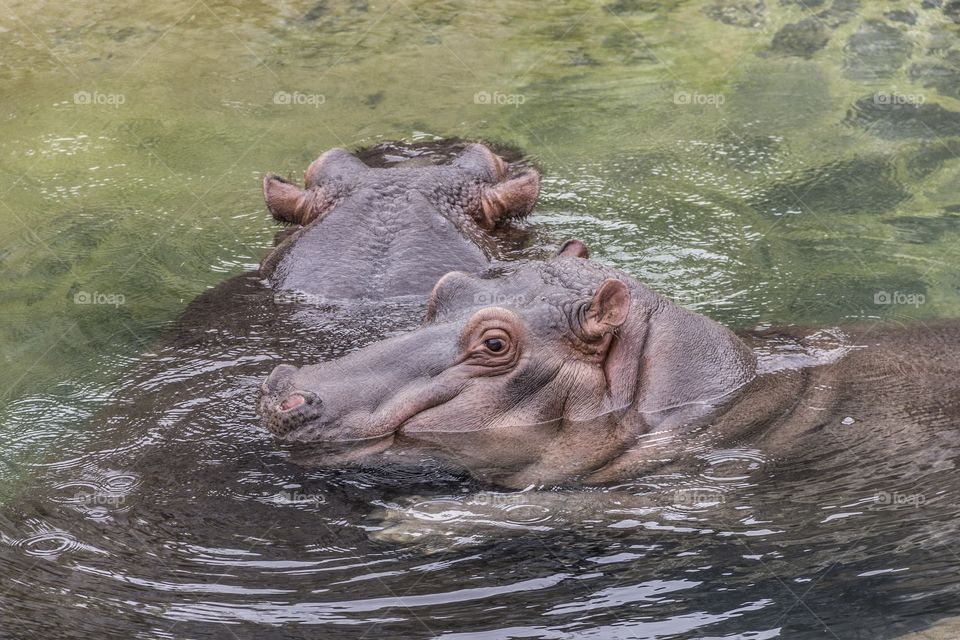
[(364, 397), (285, 408), (299, 416)]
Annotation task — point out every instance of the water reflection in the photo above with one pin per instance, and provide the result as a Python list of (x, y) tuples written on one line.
[(140, 496), (181, 515)]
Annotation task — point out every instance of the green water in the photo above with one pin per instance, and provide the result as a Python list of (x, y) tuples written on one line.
[(767, 207), (778, 162)]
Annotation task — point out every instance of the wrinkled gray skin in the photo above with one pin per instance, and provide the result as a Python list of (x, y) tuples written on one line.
[(376, 233), (568, 370)]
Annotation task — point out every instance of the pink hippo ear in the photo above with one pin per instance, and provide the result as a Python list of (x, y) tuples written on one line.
[(511, 198), (324, 177), (289, 203), (608, 309), (608, 318)]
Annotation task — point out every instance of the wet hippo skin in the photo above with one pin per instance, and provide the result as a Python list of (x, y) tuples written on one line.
[(375, 233), (370, 231), (579, 373)]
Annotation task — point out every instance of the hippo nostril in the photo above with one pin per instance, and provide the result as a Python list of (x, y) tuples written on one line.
[(294, 400)]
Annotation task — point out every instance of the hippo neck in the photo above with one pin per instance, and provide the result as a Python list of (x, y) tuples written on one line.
[(689, 369)]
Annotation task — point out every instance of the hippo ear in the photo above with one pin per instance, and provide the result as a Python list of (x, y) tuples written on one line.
[(573, 248), (443, 292), (478, 160), (335, 164), (608, 315), (515, 197), (607, 310), (289, 203)]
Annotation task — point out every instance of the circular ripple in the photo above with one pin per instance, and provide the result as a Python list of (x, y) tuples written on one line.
[(97, 513), (121, 482), (74, 492), (49, 544), (437, 510), (527, 514), (732, 465)]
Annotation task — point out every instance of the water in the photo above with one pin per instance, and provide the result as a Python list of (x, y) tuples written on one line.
[(762, 163)]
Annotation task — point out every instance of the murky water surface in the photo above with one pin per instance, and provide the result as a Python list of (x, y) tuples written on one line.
[(761, 162)]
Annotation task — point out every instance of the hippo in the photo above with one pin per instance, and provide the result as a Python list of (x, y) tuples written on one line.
[(376, 233), (567, 371), (363, 244)]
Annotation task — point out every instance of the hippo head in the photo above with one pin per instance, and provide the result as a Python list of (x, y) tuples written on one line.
[(474, 184), (379, 232), (540, 373)]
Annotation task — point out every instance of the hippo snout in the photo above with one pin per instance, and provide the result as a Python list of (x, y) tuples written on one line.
[(283, 406)]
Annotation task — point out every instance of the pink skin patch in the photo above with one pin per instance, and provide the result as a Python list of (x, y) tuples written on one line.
[(293, 401)]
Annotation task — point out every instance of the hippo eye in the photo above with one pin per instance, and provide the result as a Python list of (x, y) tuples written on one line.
[(491, 347), (496, 345)]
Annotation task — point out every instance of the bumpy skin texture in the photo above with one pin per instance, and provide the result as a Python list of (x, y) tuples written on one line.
[(379, 233), (592, 377), (570, 390)]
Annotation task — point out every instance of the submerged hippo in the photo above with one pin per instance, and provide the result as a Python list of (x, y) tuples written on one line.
[(375, 233), (370, 235), (568, 370)]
